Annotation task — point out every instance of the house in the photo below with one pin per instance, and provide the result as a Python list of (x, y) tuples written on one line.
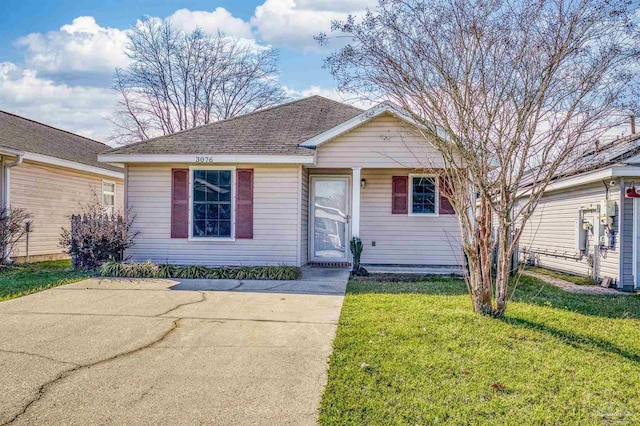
[(588, 221), (51, 173), (290, 185)]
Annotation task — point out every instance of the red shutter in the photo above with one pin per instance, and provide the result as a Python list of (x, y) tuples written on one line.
[(445, 189), (179, 203), (244, 203), (400, 195)]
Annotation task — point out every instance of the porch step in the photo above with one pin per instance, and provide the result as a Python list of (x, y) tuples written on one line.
[(414, 269), (330, 264)]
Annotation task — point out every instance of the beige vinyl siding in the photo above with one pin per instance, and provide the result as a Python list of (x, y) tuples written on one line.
[(384, 141), (402, 239), (552, 228), (276, 227), (304, 228), (51, 194)]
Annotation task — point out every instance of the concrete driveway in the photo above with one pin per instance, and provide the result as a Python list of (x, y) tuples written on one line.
[(169, 351)]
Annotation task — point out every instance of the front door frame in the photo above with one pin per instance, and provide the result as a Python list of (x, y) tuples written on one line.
[(312, 220)]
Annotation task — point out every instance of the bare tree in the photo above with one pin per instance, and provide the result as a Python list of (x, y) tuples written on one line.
[(177, 81), (508, 92), (12, 229)]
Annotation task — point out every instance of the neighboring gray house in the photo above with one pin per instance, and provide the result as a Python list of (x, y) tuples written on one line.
[(588, 222), (290, 185), (50, 173)]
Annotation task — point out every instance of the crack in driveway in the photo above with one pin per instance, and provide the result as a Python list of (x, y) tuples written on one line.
[(9, 351), (202, 299), (42, 390)]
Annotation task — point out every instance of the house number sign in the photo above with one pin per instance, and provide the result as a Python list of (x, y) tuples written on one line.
[(205, 160)]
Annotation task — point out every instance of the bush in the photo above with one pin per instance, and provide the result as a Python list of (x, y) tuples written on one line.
[(12, 229), (96, 237), (356, 251), (151, 270)]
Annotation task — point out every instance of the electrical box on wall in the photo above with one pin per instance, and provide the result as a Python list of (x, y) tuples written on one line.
[(581, 229), (607, 212)]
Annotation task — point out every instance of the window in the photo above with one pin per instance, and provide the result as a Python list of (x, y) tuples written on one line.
[(423, 195), (212, 204), (109, 197)]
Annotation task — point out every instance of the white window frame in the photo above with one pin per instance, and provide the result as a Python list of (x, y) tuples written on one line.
[(437, 194), (231, 169), (108, 193)]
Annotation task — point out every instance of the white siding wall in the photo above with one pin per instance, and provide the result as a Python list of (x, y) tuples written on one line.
[(275, 220), (51, 194), (386, 147), (552, 228), (384, 141), (403, 239)]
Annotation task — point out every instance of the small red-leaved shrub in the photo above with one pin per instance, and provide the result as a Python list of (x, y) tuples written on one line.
[(96, 237)]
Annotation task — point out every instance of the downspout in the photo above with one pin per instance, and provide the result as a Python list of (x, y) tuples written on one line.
[(6, 181)]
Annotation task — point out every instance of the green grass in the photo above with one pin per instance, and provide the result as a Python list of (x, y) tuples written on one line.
[(415, 354), (576, 279), (20, 280)]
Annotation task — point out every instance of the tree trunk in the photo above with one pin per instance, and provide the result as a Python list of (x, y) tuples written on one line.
[(480, 267), (502, 271)]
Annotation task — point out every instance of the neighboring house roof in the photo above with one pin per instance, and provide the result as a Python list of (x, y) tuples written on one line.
[(28, 136), (618, 151), (598, 163), (275, 131)]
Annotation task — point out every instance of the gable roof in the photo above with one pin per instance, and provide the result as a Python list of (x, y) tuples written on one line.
[(275, 131), (368, 115), (25, 135)]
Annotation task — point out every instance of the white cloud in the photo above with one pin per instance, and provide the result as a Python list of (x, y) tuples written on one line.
[(330, 93), (65, 78), (287, 23), (211, 22), (78, 109), (82, 46)]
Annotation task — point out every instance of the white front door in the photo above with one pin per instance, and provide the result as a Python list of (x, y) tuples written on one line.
[(329, 209)]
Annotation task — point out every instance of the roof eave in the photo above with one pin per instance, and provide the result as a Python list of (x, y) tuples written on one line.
[(589, 177), (206, 159), (10, 151)]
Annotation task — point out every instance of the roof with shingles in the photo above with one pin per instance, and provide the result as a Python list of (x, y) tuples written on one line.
[(26, 135), (273, 131), (614, 153)]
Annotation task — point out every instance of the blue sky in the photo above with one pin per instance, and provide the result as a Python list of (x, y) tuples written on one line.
[(57, 57)]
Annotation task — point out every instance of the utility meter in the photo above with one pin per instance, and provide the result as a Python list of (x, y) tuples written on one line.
[(607, 212)]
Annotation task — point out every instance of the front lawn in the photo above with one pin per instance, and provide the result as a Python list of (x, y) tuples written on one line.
[(20, 280), (415, 354)]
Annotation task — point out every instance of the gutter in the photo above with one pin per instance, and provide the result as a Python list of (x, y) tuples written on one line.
[(7, 180), (588, 177)]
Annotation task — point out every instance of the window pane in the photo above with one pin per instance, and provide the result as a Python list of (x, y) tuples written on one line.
[(423, 195), (108, 187), (199, 211), (108, 200), (212, 203)]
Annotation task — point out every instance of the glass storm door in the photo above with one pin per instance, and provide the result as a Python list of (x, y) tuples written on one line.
[(330, 219)]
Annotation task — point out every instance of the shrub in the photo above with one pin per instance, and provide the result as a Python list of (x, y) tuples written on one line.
[(12, 229), (151, 270), (356, 251), (96, 237)]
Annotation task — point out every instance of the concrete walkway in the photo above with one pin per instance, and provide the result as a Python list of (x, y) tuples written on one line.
[(120, 351), (574, 288)]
